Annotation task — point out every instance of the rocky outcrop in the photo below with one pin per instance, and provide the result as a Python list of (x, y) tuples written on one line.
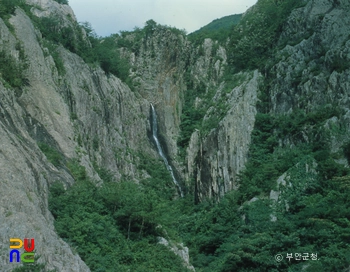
[(294, 181), (179, 250), (209, 64), (215, 160), (312, 70), (159, 68), (45, 8), (164, 66), (82, 114), (86, 116)]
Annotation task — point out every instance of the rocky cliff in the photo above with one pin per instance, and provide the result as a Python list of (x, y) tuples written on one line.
[(307, 73), (311, 70), (66, 112), (82, 115)]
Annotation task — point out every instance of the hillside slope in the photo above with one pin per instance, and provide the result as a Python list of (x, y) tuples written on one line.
[(218, 29)]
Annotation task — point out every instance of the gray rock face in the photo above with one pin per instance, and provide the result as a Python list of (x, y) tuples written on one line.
[(45, 8), (24, 172), (179, 250), (159, 69), (95, 118), (84, 114), (292, 182), (215, 160), (312, 71)]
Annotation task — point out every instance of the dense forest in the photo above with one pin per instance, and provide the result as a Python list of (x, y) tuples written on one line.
[(116, 226), (218, 29)]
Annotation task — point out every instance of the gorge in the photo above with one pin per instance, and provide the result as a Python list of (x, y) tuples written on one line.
[(153, 150), (154, 125)]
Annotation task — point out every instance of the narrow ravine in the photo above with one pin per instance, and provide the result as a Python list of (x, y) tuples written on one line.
[(160, 150)]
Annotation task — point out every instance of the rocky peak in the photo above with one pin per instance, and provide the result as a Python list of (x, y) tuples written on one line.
[(46, 8)]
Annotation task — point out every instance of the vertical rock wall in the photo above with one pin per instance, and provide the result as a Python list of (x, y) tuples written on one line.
[(215, 160), (83, 114)]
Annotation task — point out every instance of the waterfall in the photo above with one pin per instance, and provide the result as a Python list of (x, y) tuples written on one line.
[(160, 150)]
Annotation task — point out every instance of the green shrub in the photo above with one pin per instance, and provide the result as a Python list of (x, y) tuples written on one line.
[(51, 153), (104, 174), (53, 49), (95, 143), (347, 151), (53, 29), (78, 171), (8, 7), (191, 119), (12, 71), (254, 39), (110, 60), (114, 226), (218, 29), (64, 2), (337, 63), (232, 236)]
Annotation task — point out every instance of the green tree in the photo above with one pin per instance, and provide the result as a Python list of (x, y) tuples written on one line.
[(150, 27), (64, 2)]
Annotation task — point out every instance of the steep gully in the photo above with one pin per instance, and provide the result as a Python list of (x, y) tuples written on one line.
[(160, 150)]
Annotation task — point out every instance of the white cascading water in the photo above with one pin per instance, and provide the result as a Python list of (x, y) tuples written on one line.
[(160, 150)]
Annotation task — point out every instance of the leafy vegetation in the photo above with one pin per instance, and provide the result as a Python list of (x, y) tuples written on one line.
[(54, 52), (347, 151), (218, 29), (254, 39), (230, 237), (237, 235), (226, 236), (204, 107), (246, 229), (64, 2), (133, 40), (51, 154), (8, 7), (56, 31), (103, 51), (12, 70), (191, 119), (79, 39), (108, 55), (115, 226), (268, 159)]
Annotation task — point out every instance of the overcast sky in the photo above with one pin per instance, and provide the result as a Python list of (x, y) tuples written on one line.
[(111, 16)]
